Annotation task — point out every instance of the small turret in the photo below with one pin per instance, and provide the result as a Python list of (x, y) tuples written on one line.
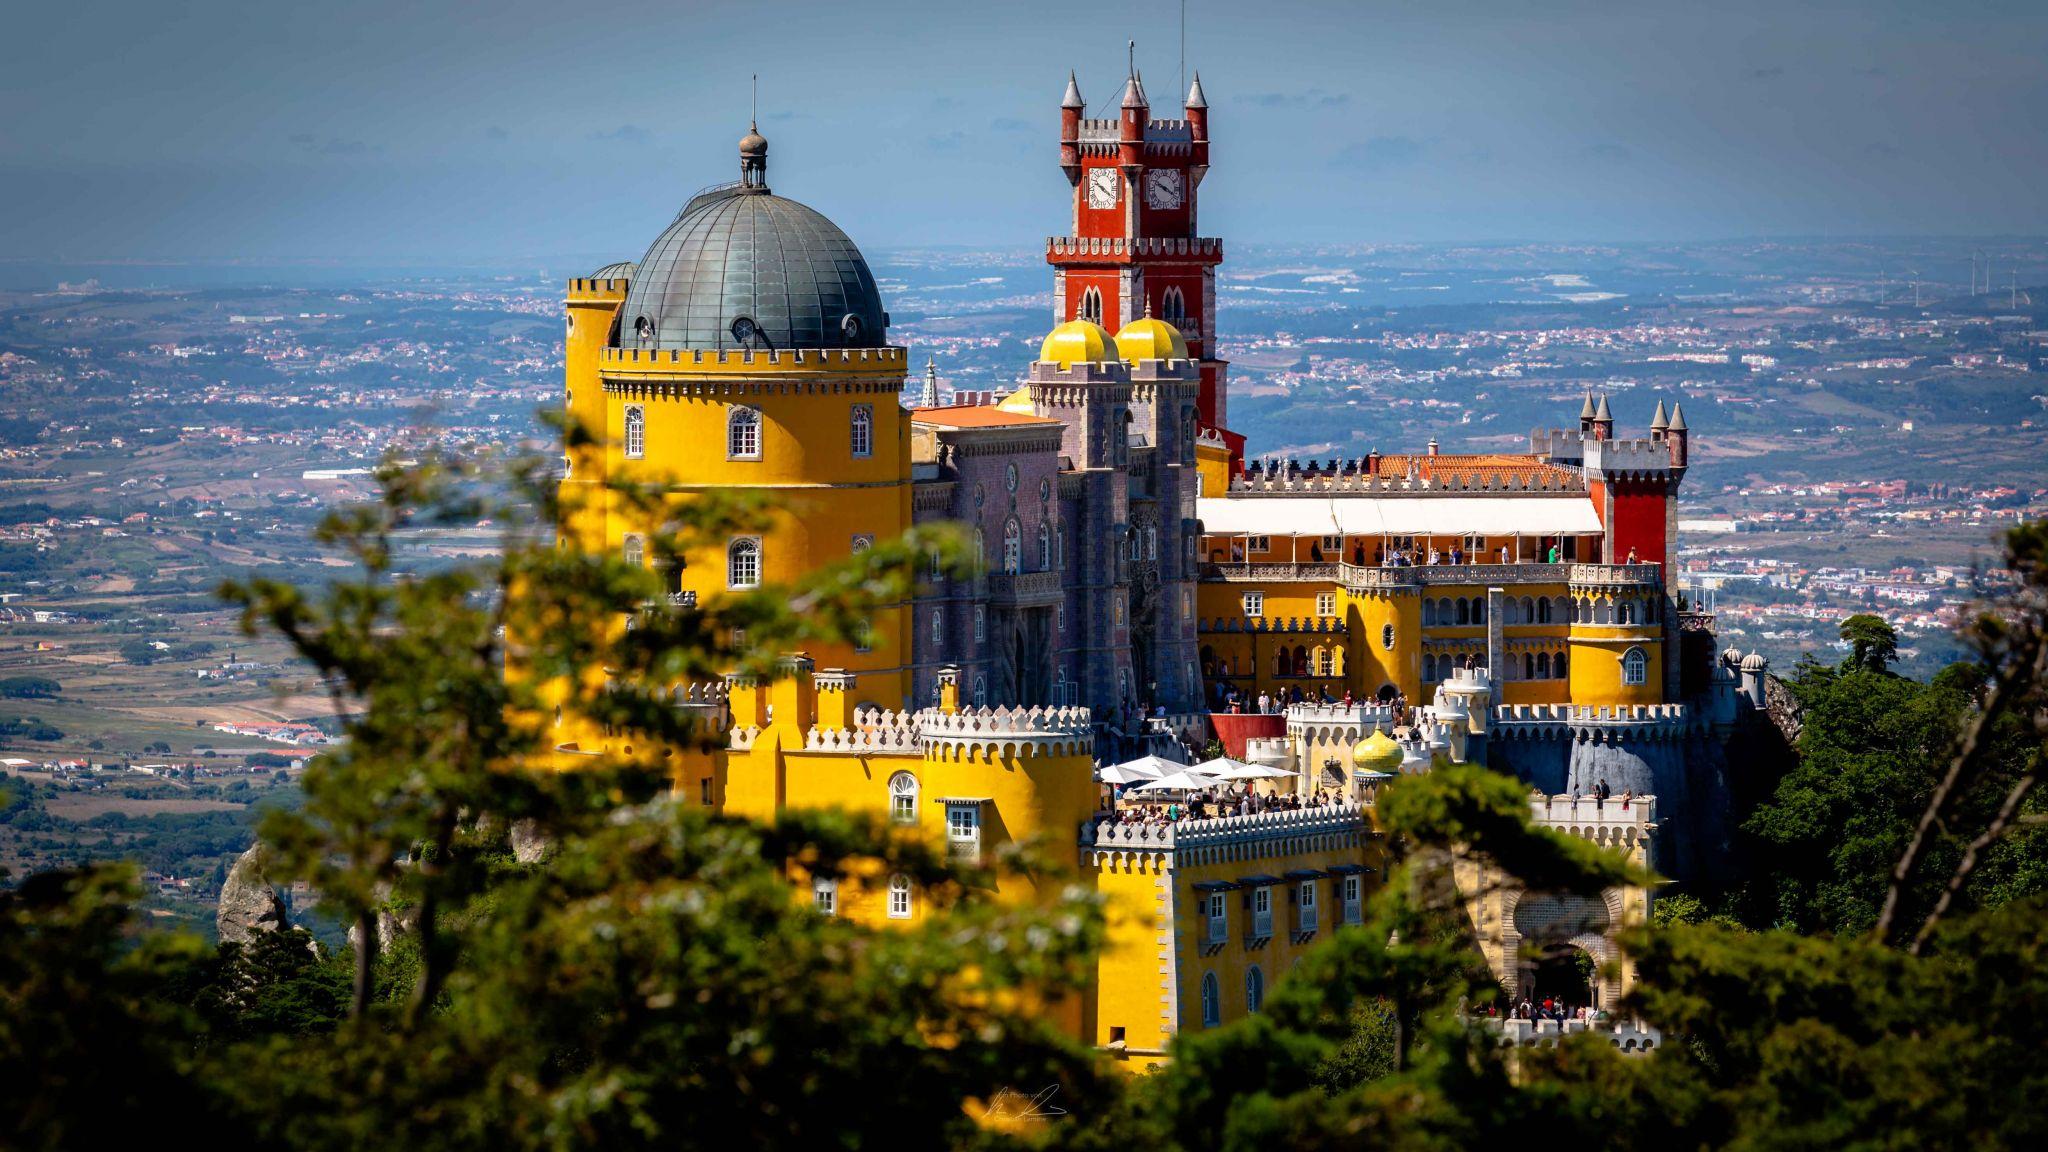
[(1198, 119), (1658, 424), (1676, 436), (1586, 416), (754, 158), (1603, 422), (1136, 110), (1071, 108)]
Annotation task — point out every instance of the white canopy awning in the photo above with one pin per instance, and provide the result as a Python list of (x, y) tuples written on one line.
[(1564, 514)]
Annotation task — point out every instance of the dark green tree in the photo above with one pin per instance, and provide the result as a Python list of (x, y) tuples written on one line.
[(1873, 642)]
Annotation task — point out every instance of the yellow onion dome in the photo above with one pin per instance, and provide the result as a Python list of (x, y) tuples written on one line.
[(1076, 342), (1150, 339), (1377, 753)]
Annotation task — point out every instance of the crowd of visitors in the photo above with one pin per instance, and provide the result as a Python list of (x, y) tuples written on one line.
[(1231, 801)]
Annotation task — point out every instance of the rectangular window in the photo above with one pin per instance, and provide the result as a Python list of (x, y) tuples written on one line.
[(825, 896), (963, 832), (636, 432), (1333, 544), (1262, 913), (1474, 546), (899, 898), (1259, 544), (1218, 919), (704, 791), (1255, 604), (1354, 899), (633, 551), (1326, 603), (1305, 906)]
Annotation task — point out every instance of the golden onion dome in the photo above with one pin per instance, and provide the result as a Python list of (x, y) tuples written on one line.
[(1150, 339), (1377, 753), (1076, 342)]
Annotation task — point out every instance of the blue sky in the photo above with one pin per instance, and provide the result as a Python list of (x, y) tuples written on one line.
[(408, 131)]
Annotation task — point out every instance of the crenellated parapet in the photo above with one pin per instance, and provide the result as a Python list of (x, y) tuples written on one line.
[(1595, 723), (1304, 625), (1234, 839), (1297, 477), (992, 733), (1626, 824)]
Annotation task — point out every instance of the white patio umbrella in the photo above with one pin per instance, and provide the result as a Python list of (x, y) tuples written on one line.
[(1254, 772), (1220, 766), (1183, 781), (1121, 774)]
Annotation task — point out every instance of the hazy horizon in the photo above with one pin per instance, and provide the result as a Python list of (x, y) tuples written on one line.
[(386, 134)]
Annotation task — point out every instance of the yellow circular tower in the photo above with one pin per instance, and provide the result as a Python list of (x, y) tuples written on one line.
[(748, 354)]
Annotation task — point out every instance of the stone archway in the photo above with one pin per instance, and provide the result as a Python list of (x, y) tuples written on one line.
[(1551, 931)]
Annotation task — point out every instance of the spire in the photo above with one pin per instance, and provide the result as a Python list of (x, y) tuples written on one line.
[(1603, 415), (930, 398), (1196, 99), (1134, 88), (1586, 412), (1073, 97), (1657, 422), (1677, 417)]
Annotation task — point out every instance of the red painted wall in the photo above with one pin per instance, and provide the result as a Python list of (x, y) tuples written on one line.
[(1639, 520)]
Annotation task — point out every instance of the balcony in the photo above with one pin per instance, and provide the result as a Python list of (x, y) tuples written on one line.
[(1618, 575), (1242, 573), (1533, 572), (1024, 589)]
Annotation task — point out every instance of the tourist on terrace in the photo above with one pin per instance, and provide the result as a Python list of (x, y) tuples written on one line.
[(1504, 554), (1553, 553), (1632, 556), (1265, 703), (1457, 555), (1347, 697), (1435, 557)]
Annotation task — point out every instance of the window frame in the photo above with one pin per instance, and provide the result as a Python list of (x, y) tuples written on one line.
[(743, 419), (825, 895), (903, 792), (900, 905), (1635, 667), (1254, 604), (635, 432), (860, 431), (734, 548)]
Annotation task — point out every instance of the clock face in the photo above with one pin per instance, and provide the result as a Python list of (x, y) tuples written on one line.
[(1162, 188), (1102, 188)]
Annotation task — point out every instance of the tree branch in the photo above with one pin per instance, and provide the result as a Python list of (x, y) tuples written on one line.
[(1968, 863)]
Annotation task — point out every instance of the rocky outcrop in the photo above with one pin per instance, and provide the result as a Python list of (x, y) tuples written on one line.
[(248, 902), (529, 844), (1784, 709)]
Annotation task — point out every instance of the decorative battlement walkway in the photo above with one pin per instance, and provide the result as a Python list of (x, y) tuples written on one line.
[(1276, 833)]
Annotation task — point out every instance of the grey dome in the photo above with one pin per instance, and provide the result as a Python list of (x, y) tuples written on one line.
[(743, 252), (623, 270)]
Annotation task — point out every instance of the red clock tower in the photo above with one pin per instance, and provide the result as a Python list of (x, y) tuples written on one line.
[(1133, 248)]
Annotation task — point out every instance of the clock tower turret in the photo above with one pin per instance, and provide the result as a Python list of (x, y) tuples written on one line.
[(1133, 246)]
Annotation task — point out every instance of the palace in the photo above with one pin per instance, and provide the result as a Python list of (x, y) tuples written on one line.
[(1143, 586)]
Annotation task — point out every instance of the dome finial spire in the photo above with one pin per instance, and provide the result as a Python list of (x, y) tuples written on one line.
[(754, 146)]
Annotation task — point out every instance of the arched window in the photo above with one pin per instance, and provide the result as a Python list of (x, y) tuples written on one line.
[(1464, 611), (1605, 613), (980, 623), (1091, 305), (980, 552), (1478, 610), (1044, 548), (1173, 307), (981, 691), (861, 431), (1635, 667), (1387, 637), (1557, 666), (743, 562), (743, 434), (1428, 612), (899, 897), (1514, 612), (1444, 614), (1212, 1001), (633, 551), (1322, 661), (1428, 669), (938, 628), (1254, 989), (1151, 542), (636, 432), (1528, 666), (1543, 665), (903, 798), (1059, 547), (1528, 610), (1013, 546), (1543, 610)]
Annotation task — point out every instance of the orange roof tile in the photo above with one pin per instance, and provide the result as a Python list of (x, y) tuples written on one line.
[(977, 416)]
